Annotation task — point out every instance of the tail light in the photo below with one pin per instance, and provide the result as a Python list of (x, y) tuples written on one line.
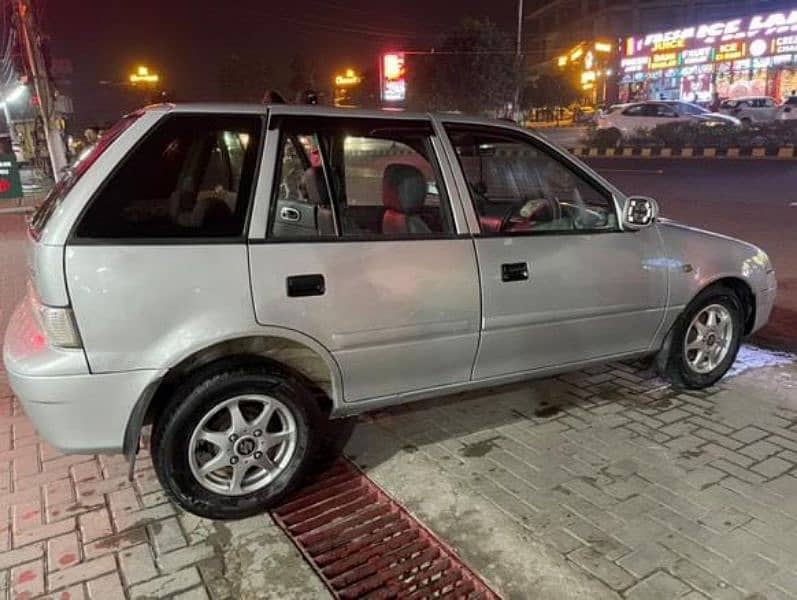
[(57, 323)]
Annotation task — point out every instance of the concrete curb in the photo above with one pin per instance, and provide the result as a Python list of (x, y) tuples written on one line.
[(783, 153)]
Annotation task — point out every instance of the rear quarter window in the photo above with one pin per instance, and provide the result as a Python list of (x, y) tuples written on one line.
[(190, 177), (84, 162)]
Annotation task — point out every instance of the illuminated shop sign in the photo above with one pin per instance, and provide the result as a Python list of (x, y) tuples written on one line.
[(697, 56), (781, 45), (730, 51), (778, 23), (664, 60), (634, 64), (394, 77), (676, 44)]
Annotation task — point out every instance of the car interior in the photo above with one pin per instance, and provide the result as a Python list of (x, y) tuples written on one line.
[(382, 180), (516, 188)]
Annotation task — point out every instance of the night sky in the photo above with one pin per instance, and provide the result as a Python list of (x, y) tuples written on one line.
[(186, 41)]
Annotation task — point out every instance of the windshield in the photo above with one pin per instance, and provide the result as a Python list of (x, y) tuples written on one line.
[(74, 173), (690, 109)]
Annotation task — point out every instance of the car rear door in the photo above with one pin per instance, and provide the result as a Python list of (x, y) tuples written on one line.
[(381, 272), (561, 282)]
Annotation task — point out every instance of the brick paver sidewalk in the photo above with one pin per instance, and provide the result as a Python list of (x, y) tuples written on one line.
[(655, 493)]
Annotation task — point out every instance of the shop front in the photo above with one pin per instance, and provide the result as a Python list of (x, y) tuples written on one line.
[(753, 56)]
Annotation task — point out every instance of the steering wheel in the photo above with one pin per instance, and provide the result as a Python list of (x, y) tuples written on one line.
[(537, 209)]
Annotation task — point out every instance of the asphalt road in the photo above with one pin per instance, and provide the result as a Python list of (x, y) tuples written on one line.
[(755, 200)]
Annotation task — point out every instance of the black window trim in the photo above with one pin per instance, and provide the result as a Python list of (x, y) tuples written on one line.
[(277, 123), (551, 152), (74, 240)]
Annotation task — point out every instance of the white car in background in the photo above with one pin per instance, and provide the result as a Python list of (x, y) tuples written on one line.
[(751, 109), (636, 116), (788, 110)]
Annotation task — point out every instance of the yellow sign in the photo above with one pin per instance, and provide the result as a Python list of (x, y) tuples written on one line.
[(664, 60), (562, 61), (348, 78), (730, 51), (676, 44), (588, 77), (603, 47), (142, 75), (576, 54)]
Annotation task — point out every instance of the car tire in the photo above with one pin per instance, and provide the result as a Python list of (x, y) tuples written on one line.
[(701, 328), (203, 407)]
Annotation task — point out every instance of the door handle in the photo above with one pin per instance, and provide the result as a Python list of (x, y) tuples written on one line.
[(300, 286), (288, 213), (514, 271)]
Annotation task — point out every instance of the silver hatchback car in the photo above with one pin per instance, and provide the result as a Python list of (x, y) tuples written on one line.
[(240, 276)]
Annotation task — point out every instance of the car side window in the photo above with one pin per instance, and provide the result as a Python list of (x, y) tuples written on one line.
[(191, 177), (359, 178), (635, 111), (663, 111), (518, 187)]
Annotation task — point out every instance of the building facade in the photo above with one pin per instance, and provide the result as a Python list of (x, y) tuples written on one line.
[(677, 49)]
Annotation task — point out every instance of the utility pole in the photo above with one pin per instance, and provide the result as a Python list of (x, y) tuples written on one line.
[(519, 59), (31, 39)]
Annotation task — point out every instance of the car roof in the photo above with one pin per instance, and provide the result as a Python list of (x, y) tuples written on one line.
[(325, 111)]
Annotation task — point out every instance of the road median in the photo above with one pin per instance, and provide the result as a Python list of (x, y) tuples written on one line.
[(760, 153)]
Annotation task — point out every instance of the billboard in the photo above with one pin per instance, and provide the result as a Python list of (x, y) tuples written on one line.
[(394, 77)]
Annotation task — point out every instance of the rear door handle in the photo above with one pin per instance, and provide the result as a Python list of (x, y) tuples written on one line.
[(515, 271), (300, 286)]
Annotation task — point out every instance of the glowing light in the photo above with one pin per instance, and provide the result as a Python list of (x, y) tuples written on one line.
[(562, 61), (142, 75), (576, 54), (349, 77), (603, 47), (758, 47)]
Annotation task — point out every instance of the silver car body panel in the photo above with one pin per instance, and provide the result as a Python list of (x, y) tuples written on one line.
[(401, 320)]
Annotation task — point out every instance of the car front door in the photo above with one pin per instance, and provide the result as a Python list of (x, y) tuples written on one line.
[(562, 283), (361, 251)]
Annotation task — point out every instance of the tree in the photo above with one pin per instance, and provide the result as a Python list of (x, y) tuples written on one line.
[(547, 89), (303, 75), (473, 70), (244, 78)]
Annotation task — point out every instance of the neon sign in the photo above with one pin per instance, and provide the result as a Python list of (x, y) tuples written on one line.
[(394, 79), (771, 24), (664, 60), (696, 56), (731, 51)]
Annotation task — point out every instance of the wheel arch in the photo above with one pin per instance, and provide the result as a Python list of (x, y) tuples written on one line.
[(289, 352), (742, 290)]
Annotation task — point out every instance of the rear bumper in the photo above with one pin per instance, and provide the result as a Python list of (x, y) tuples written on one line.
[(81, 413), (73, 410)]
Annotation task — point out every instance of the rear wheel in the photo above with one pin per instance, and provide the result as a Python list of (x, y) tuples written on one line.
[(235, 442), (706, 339)]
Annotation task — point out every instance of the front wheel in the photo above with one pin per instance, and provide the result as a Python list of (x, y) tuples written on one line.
[(706, 339), (235, 442)]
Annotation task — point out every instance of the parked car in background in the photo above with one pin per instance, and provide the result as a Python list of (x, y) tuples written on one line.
[(632, 117), (238, 275), (751, 109), (788, 110)]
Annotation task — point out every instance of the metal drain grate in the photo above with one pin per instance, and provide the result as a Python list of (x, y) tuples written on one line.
[(365, 545)]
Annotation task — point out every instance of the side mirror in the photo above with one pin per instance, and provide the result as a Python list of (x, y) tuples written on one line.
[(640, 212)]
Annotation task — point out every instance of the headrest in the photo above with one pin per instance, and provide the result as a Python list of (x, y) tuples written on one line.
[(403, 188), (315, 186)]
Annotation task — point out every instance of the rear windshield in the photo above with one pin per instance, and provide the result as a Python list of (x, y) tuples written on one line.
[(76, 171)]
